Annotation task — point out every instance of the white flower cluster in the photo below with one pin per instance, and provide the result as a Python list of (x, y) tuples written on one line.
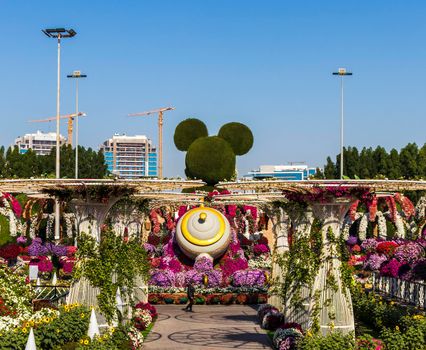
[(136, 338), (363, 224), (260, 263), (399, 224), (421, 208), (69, 223), (381, 223)]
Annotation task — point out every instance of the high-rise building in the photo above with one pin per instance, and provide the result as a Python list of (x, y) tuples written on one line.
[(41, 143), (130, 157), (282, 172)]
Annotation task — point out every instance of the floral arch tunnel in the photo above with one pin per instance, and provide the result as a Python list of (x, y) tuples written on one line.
[(297, 253)]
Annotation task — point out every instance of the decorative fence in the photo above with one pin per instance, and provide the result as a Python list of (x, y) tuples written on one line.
[(52, 293), (408, 292)]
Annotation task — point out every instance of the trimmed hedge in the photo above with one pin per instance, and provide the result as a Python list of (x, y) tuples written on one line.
[(238, 135), (210, 159), (187, 132)]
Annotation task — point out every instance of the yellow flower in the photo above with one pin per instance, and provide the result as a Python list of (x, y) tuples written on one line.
[(46, 319), (397, 328), (31, 323), (81, 341), (309, 333), (392, 302), (418, 317), (58, 331), (86, 342), (24, 330)]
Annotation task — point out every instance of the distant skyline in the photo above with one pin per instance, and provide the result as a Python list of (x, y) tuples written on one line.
[(267, 64)]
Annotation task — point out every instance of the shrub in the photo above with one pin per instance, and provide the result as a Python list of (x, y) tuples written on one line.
[(210, 159), (187, 132), (239, 137), (332, 341)]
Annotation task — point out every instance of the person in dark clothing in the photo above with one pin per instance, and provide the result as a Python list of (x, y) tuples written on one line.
[(190, 291)]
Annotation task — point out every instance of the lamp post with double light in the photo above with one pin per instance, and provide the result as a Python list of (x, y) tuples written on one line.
[(58, 33)]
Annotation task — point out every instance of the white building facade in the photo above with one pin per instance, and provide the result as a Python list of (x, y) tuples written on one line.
[(41, 143), (130, 157), (282, 172)]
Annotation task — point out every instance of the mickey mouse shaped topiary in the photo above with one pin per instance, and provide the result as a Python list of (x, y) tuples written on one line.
[(212, 158)]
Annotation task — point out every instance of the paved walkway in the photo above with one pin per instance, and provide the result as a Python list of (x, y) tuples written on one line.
[(209, 327)]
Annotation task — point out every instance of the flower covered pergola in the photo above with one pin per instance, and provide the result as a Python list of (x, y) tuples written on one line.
[(318, 299)]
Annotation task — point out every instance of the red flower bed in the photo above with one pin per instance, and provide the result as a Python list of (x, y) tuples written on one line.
[(387, 248), (10, 251), (147, 306)]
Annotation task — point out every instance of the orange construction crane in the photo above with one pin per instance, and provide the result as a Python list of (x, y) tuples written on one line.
[(160, 112), (70, 118)]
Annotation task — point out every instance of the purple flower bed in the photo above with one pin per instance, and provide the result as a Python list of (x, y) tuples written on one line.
[(36, 248), (162, 278), (374, 261), (352, 240), (214, 278), (203, 264), (248, 278), (409, 252), (194, 277), (369, 245)]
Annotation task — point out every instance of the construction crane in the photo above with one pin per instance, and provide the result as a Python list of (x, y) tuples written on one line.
[(70, 118), (160, 112)]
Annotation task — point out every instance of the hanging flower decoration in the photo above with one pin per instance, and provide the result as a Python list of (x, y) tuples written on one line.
[(406, 205), (390, 201), (352, 210), (372, 209)]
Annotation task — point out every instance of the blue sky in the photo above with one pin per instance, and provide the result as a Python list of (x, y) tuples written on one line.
[(264, 63)]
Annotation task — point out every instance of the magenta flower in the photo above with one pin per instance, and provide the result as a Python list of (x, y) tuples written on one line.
[(390, 268)]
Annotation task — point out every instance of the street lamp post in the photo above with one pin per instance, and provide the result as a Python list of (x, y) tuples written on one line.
[(58, 33), (76, 75), (341, 72)]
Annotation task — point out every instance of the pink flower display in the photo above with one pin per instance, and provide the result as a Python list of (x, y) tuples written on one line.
[(231, 265), (260, 249), (390, 268), (45, 265)]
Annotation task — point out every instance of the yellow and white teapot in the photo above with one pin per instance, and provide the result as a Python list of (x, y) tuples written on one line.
[(203, 230)]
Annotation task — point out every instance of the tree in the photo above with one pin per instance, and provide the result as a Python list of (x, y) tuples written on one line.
[(408, 161), (330, 171), (394, 169), (381, 161)]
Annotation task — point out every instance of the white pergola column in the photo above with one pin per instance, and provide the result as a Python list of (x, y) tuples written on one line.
[(333, 305)]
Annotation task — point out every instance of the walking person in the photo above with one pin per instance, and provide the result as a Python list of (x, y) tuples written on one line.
[(190, 291)]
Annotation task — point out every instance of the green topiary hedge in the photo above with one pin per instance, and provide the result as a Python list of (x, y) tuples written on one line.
[(239, 137), (210, 159), (187, 132)]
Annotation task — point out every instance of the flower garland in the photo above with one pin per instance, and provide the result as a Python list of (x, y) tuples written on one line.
[(407, 206), (381, 224), (399, 224), (68, 223), (372, 209), (421, 208), (363, 224)]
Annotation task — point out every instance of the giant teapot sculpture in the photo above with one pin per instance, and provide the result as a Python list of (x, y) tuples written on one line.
[(203, 230)]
